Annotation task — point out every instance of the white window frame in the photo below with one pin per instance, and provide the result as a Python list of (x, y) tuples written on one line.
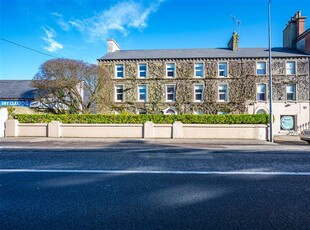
[(141, 71), (258, 62), (146, 93), (288, 69), (203, 69), (174, 94), (261, 92), (170, 63), (115, 93), (202, 92), (116, 71), (226, 93), (226, 70), (294, 93)]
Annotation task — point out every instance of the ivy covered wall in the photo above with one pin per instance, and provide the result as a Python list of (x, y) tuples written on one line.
[(241, 80)]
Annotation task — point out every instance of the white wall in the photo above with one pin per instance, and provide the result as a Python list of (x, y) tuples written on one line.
[(3, 118), (300, 110), (148, 130)]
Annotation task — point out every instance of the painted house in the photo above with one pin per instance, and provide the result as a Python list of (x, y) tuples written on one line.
[(210, 81)]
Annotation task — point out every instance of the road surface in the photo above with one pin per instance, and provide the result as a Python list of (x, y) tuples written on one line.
[(154, 186)]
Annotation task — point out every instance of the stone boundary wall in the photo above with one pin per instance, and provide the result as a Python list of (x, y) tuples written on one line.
[(147, 130)]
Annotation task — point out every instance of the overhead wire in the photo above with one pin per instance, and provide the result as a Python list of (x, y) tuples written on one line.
[(26, 47)]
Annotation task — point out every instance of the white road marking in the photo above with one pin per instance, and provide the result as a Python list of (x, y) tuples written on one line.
[(155, 172)]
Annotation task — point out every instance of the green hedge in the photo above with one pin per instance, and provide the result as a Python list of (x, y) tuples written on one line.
[(140, 119)]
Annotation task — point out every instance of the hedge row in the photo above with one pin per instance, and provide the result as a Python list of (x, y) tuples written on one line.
[(140, 119)]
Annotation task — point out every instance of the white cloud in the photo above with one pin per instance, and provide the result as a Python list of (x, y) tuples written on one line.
[(122, 17), (49, 38), (78, 24), (60, 21)]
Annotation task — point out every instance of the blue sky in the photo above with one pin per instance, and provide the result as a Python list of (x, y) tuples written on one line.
[(78, 29)]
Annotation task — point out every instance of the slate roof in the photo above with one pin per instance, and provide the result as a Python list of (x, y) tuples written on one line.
[(201, 53), (17, 89)]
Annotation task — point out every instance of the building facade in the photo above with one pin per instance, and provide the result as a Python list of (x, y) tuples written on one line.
[(207, 81)]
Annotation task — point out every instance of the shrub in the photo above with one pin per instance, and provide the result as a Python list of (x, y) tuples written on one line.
[(140, 119)]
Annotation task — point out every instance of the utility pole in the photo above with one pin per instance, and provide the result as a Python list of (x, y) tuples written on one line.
[(270, 76)]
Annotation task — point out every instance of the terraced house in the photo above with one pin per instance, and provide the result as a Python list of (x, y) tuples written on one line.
[(210, 80)]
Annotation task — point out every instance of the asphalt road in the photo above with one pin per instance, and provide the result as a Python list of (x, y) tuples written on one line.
[(155, 186)]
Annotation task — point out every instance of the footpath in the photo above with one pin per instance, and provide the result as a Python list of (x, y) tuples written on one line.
[(44, 142)]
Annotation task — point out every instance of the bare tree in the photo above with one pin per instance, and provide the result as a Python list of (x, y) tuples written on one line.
[(66, 85)]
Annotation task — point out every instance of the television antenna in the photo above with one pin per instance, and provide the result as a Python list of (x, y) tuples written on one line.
[(236, 24)]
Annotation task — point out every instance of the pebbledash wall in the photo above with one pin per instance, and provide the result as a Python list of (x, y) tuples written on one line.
[(147, 130)]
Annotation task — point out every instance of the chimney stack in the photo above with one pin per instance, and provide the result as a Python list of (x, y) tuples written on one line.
[(300, 23), (112, 46), (294, 28), (233, 44)]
